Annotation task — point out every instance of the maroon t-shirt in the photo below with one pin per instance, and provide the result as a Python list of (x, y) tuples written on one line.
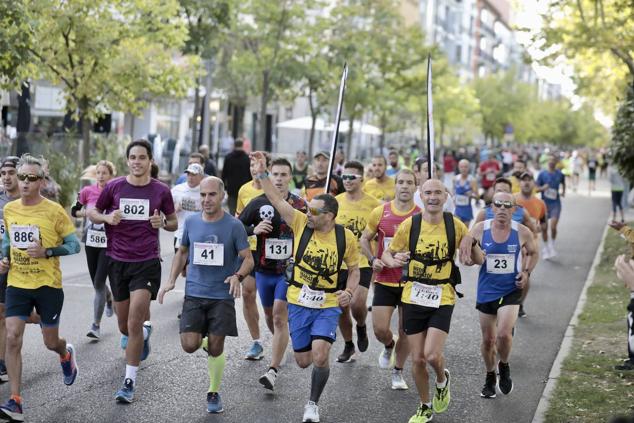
[(134, 239)]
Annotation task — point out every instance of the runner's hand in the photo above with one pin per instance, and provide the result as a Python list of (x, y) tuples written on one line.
[(401, 259), (260, 161), (264, 227), (114, 218), (624, 270), (234, 286), (465, 250), (521, 280), (164, 290), (4, 265), (343, 298), (156, 220), (377, 265), (35, 250)]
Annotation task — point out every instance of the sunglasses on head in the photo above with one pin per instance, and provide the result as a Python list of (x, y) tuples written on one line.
[(317, 211), (505, 204), (350, 177), (29, 177)]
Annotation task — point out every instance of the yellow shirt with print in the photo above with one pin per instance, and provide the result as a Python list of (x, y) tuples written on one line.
[(383, 191), (320, 254), (54, 225), (246, 193), (354, 216), (432, 243)]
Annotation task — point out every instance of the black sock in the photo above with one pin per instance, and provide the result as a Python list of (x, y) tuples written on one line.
[(349, 344), (391, 345), (318, 382), (398, 369), (274, 369)]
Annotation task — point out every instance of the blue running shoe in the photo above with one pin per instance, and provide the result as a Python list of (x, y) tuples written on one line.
[(146, 342), (214, 403), (255, 353), (12, 411), (109, 309), (126, 393), (69, 367), (124, 342)]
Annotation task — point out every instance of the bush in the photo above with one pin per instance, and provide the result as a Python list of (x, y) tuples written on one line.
[(622, 148)]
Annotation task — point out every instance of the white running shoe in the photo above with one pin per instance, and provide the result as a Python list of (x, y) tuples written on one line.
[(545, 252), (311, 412), (268, 379), (386, 358), (551, 251), (398, 383)]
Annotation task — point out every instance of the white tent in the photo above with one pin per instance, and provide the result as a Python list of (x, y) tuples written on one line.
[(303, 123), (359, 128)]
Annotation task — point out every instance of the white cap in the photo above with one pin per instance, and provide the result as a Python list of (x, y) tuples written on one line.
[(195, 169)]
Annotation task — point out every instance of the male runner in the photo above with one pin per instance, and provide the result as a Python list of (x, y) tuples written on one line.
[(315, 184), (315, 293), (488, 172), (381, 186), (548, 183), (507, 255), (38, 231), (11, 191), (216, 246), (388, 289), (520, 215), (428, 294), (354, 209), (274, 248), (130, 206), (465, 188), (187, 198)]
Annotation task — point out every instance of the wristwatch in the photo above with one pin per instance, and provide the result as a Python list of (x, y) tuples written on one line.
[(239, 276), (49, 253)]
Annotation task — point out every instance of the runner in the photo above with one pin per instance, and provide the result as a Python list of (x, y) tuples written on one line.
[(507, 257), (519, 167), (38, 231), (248, 192), (130, 206), (383, 221), (315, 293), (425, 244), (96, 241), (216, 247), (465, 189), (381, 186), (315, 183), (548, 183), (488, 172), (422, 174), (274, 248), (187, 198), (11, 191), (355, 207), (520, 215)]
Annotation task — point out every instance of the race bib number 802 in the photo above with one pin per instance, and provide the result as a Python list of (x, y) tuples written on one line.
[(134, 209)]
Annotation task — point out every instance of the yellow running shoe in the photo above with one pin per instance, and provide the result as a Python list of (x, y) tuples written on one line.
[(424, 414), (442, 397)]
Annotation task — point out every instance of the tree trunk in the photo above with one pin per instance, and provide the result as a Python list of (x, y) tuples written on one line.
[(441, 138), (313, 115), (194, 145), (264, 100), (382, 137), (350, 135), (85, 137)]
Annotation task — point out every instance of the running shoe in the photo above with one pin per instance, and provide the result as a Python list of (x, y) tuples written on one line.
[(69, 366), (424, 414), (255, 353), (124, 342), (109, 309), (505, 383), (268, 379), (545, 253), (12, 411), (552, 252), (627, 365), (311, 412), (4, 376), (442, 396), (398, 383), (214, 403), (386, 358), (94, 332), (488, 390), (362, 338), (347, 356), (126, 393), (521, 312), (146, 341)]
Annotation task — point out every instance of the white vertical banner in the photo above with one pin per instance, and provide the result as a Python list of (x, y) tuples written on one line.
[(431, 147), (335, 132)]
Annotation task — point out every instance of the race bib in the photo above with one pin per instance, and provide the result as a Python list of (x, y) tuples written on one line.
[(208, 254), (96, 239), (500, 263), (2, 228), (311, 298), (278, 249), (462, 200), (134, 209), (490, 176), (24, 235), (386, 242), (550, 194), (426, 295)]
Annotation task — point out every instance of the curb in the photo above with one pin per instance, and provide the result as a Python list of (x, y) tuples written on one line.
[(566, 342)]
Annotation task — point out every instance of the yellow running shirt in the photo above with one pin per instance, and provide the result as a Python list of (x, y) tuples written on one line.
[(320, 255), (247, 193), (432, 243), (354, 216), (383, 191), (46, 222)]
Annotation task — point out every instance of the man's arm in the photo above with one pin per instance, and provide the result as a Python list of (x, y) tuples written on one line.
[(244, 270), (171, 222), (366, 249), (70, 245), (344, 297), (285, 210), (97, 216), (477, 255), (563, 185), (527, 221), (178, 263)]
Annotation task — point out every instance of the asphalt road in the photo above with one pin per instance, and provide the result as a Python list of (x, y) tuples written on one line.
[(171, 385)]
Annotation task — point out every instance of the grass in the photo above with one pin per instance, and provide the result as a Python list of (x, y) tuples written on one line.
[(589, 389)]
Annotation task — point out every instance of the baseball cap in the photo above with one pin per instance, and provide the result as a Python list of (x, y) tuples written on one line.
[(10, 161), (526, 175), (195, 169), (322, 153)]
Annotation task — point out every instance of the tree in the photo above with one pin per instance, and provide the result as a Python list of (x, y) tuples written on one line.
[(622, 148), (98, 51)]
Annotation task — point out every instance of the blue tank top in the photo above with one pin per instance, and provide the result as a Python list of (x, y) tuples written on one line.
[(463, 190), (502, 264), (518, 214)]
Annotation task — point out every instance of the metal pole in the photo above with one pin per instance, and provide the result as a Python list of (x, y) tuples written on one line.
[(335, 133)]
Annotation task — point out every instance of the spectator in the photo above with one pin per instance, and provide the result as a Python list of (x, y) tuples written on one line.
[(300, 169), (210, 166), (235, 173), (617, 186), (625, 272)]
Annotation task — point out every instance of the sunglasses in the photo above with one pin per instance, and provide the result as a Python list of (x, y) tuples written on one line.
[(317, 211), (350, 177), (505, 204), (29, 177)]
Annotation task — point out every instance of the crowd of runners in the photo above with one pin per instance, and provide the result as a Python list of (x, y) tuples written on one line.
[(266, 228)]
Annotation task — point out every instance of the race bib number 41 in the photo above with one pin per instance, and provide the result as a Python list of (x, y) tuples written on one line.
[(134, 209), (278, 249), (208, 254), (500, 263), (24, 235), (426, 295), (311, 298)]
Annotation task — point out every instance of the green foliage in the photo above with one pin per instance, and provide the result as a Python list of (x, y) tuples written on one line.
[(622, 148)]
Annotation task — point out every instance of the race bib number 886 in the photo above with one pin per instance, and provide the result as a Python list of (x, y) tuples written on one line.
[(24, 235)]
